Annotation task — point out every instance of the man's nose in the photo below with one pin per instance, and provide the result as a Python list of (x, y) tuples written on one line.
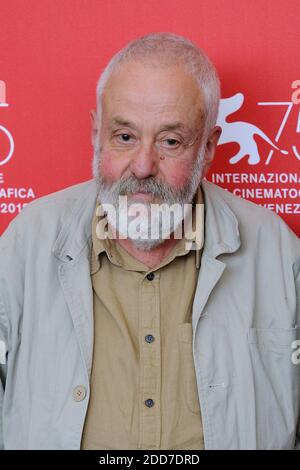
[(145, 162)]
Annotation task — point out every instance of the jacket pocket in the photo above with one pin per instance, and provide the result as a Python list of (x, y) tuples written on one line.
[(274, 385), (185, 339)]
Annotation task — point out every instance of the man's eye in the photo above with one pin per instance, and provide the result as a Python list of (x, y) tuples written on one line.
[(124, 138), (171, 143)]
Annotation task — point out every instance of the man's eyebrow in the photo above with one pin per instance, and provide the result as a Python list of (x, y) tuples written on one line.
[(173, 126), (119, 121)]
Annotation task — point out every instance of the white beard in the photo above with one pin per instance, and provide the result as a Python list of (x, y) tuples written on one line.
[(146, 225)]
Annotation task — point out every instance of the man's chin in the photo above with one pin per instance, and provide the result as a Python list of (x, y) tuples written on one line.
[(142, 197), (146, 244)]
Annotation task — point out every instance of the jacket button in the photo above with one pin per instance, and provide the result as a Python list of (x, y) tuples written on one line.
[(150, 276), (149, 402), (149, 338), (79, 393)]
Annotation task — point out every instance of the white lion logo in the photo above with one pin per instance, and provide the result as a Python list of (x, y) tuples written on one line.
[(240, 132)]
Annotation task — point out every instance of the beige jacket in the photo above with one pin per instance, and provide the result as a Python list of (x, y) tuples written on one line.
[(245, 323)]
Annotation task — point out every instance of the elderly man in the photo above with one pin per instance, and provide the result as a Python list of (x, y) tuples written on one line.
[(119, 339)]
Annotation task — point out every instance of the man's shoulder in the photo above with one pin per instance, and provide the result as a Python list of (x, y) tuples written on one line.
[(244, 209), (63, 197), (52, 210), (256, 223), (237, 203)]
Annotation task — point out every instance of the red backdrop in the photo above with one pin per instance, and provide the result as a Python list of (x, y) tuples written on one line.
[(52, 52)]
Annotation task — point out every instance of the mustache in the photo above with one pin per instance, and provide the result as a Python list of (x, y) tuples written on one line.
[(149, 185)]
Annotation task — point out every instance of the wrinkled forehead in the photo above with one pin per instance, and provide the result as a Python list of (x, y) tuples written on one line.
[(147, 90)]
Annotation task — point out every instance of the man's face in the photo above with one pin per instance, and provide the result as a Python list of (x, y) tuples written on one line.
[(139, 103), (147, 112)]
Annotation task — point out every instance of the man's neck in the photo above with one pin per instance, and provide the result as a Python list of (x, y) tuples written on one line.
[(150, 258)]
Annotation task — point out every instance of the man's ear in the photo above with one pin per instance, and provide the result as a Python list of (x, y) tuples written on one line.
[(210, 148), (94, 125)]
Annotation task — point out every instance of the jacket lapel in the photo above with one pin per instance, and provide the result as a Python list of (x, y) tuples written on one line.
[(221, 235), (76, 284), (72, 247)]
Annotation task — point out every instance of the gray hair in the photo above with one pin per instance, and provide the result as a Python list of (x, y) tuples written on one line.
[(169, 48)]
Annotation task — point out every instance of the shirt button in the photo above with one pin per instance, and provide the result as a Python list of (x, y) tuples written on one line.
[(79, 393), (150, 276), (149, 402), (149, 338)]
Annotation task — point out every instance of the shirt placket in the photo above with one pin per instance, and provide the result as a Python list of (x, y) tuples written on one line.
[(150, 362)]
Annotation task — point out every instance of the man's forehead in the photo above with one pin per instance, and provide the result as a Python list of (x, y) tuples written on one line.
[(117, 121), (151, 95), (166, 97), (158, 86)]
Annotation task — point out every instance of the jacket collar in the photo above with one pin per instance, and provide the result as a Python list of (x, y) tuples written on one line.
[(221, 225), (221, 233), (76, 232)]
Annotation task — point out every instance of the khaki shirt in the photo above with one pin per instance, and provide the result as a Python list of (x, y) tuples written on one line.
[(143, 385)]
